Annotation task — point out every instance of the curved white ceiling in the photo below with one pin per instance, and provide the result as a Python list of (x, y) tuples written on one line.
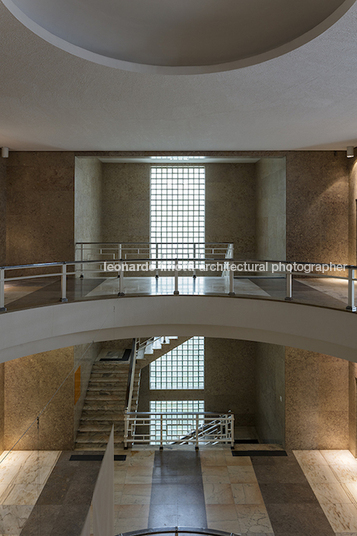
[(178, 36)]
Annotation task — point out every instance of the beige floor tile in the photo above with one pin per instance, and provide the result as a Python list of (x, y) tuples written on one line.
[(330, 493), (212, 459), (340, 457), (135, 494), (238, 460), (129, 511), (344, 473), (232, 527), (351, 488), (342, 517), (310, 457), (23, 495), (215, 474), (221, 512), (129, 525), (253, 518), (319, 474), (139, 475), (218, 493), (119, 477), (241, 474), (247, 494)]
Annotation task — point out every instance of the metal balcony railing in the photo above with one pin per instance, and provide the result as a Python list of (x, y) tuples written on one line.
[(169, 428)]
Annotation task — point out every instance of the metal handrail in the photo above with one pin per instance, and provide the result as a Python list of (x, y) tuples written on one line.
[(179, 530), (224, 264), (196, 435)]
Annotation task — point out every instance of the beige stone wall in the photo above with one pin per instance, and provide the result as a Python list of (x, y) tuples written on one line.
[(84, 357), (270, 393), (126, 202), (317, 206), (29, 383), (2, 213), (317, 401), (230, 206), (88, 200), (271, 209), (353, 408), (40, 207)]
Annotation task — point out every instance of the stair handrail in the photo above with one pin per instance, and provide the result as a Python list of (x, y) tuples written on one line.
[(130, 384)]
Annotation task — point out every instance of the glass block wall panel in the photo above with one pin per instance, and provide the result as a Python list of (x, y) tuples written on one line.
[(181, 368), (177, 212)]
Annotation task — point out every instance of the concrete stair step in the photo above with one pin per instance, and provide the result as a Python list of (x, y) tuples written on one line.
[(100, 415), (96, 437), (114, 405), (103, 395), (101, 427)]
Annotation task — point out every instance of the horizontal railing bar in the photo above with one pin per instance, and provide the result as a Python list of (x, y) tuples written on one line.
[(183, 530)]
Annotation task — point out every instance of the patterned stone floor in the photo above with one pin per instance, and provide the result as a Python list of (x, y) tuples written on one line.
[(306, 493)]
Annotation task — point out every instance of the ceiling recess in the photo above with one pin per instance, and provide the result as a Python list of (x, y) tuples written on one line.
[(178, 37)]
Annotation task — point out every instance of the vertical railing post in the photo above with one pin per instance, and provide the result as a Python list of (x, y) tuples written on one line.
[(2, 291), (232, 251), (64, 298), (119, 251), (231, 280), (289, 286), (176, 291), (82, 265), (232, 431), (194, 263), (197, 423), (126, 428), (351, 290), (121, 279), (161, 431), (157, 262)]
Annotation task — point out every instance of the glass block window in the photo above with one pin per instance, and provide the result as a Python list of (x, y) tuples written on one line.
[(177, 212), (181, 368), (175, 426)]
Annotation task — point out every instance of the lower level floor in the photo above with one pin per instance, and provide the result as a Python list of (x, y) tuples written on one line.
[(253, 490)]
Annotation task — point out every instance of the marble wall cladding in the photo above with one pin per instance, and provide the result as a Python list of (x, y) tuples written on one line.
[(2, 414), (230, 206), (88, 200), (317, 206), (2, 213), (229, 381), (29, 383), (352, 371), (316, 401), (40, 207), (270, 393), (126, 202), (271, 208), (84, 357)]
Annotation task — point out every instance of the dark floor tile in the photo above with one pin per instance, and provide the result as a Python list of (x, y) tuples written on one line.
[(279, 493), (302, 519), (42, 520), (70, 522), (192, 495), (82, 486), (192, 516), (57, 485), (163, 516), (164, 494), (288, 473)]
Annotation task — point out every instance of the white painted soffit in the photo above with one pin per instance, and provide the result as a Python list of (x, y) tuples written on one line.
[(178, 37)]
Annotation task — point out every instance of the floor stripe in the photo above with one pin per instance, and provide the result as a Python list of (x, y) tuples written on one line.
[(291, 504), (177, 497)]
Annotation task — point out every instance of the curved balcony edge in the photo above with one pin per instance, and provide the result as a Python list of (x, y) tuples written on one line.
[(328, 331)]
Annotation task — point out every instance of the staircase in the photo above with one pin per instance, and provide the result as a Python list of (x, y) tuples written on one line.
[(156, 347), (105, 400), (104, 406)]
